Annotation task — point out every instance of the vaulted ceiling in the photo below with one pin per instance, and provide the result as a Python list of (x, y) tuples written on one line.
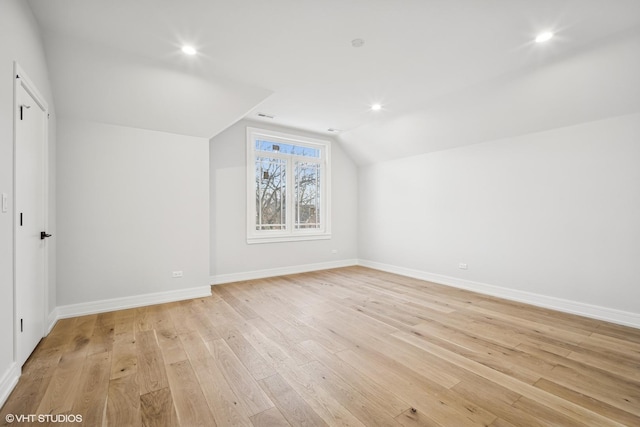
[(447, 73)]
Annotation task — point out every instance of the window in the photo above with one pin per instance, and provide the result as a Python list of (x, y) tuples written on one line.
[(288, 183)]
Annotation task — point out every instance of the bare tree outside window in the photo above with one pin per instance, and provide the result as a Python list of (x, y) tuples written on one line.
[(271, 188), (307, 195)]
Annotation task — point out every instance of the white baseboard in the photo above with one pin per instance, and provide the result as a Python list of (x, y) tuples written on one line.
[(94, 307), (51, 320), (8, 381), (282, 271), (582, 309)]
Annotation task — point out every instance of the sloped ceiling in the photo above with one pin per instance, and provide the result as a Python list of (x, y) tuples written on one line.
[(601, 82), (448, 73), (107, 85)]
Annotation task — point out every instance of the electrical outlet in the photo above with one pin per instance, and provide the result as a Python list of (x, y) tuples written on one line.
[(462, 266), (177, 274)]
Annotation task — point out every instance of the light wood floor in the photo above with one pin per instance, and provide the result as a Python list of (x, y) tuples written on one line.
[(350, 346)]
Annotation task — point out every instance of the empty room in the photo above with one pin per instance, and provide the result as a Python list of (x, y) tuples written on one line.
[(320, 213)]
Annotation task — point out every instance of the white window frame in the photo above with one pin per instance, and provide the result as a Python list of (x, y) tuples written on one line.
[(290, 234)]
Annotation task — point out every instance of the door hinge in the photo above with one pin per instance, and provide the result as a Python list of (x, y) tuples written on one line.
[(21, 107), (20, 219), (21, 325)]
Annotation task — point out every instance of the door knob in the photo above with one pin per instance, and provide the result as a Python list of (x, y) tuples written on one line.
[(43, 235)]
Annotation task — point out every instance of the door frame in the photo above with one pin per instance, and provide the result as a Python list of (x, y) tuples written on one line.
[(21, 78)]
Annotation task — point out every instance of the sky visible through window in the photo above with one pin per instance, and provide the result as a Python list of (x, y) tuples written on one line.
[(278, 147)]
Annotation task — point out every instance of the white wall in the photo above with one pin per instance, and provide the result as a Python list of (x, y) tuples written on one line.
[(230, 253), (133, 207), (552, 213), (19, 41)]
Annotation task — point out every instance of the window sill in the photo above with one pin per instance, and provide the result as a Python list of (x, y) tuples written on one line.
[(277, 239)]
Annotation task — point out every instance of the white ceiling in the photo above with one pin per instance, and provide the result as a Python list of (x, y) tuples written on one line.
[(293, 58)]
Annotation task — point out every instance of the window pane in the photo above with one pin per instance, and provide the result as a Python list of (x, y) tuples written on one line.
[(307, 195), (271, 188), (277, 147)]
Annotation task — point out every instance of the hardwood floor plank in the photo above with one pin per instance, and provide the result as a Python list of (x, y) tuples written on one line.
[(198, 310), (269, 350), (182, 317), (622, 367), (624, 333), (239, 379), (151, 371), (575, 411), (82, 332), (292, 406), (124, 359), (619, 393), (354, 400), (59, 396), (502, 423), (321, 401), (124, 327), (612, 345), (289, 347), (593, 404), (414, 418), (252, 360), (157, 409), (421, 393), (91, 395), (239, 306), (546, 415), (170, 345), (407, 355), (191, 406), (269, 418), (194, 346), (43, 360), (227, 409), (381, 398), (497, 399), (103, 334), (509, 361), (60, 334), (26, 397), (347, 346), (123, 402)]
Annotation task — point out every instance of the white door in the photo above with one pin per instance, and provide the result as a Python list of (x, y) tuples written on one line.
[(30, 146)]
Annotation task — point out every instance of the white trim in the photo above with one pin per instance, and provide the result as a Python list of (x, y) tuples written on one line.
[(582, 309), (8, 382), (30, 87), (94, 307), (52, 319), (281, 271), (287, 238), (289, 234)]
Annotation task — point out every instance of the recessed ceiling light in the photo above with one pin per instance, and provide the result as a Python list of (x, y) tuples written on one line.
[(357, 42), (189, 50), (376, 107), (543, 37)]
